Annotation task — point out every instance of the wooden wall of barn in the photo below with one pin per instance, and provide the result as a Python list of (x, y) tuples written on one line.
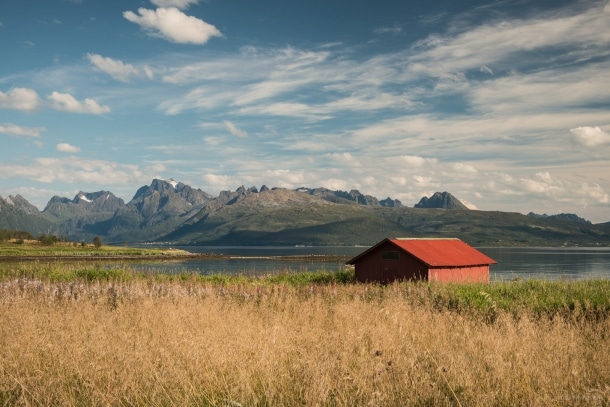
[(380, 266), (476, 274)]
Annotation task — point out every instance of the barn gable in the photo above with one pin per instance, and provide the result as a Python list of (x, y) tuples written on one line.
[(426, 259)]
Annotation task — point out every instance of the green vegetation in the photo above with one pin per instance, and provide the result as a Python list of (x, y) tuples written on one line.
[(6, 235), (97, 242), (17, 248), (581, 298), (65, 272)]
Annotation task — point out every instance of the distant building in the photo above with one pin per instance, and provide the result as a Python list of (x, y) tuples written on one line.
[(449, 260)]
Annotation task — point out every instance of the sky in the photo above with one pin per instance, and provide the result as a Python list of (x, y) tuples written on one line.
[(505, 104)]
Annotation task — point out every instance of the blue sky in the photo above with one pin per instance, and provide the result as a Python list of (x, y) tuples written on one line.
[(505, 104)]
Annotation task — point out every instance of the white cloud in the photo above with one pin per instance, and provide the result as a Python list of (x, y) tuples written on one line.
[(219, 182), (290, 179), (78, 170), (225, 68), (271, 88), (67, 103), (542, 183), (20, 99), (148, 72), (286, 70), (273, 76), (421, 180), (234, 130), (117, 69), (212, 141), (371, 100), (198, 98), (591, 136), (462, 168), (19, 131), (503, 40), (542, 90), (413, 161), (285, 109), (498, 134), (564, 191), (395, 30), (173, 25), (593, 193), (487, 70), (181, 4), (346, 159), (67, 148)]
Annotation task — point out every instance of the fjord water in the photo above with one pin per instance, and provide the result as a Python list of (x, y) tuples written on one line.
[(549, 263)]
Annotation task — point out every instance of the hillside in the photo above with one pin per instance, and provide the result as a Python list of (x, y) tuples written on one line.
[(172, 212), (18, 214)]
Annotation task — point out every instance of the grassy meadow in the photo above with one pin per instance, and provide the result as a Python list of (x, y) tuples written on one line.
[(34, 248), (82, 334)]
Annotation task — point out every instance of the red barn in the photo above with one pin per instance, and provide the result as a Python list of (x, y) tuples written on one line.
[(425, 259)]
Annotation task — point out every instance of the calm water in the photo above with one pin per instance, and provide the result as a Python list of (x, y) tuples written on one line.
[(255, 259), (550, 263), (513, 262)]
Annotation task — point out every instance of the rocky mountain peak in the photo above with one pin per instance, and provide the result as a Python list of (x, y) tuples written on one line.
[(362, 199), (441, 200), (20, 202), (54, 201), (352, 197), (157, 185), (171, 188), (390, 203), (100, 201)]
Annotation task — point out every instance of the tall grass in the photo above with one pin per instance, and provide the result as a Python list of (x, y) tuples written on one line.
[(286, 340)]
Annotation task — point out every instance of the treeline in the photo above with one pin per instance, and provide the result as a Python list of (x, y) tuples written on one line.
[(50, 240), (19, 236), (14, 234)]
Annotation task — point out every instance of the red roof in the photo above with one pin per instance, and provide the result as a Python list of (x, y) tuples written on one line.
[(438, 252)]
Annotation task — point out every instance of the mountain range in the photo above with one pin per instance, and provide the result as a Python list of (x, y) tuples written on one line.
[(167, 211)]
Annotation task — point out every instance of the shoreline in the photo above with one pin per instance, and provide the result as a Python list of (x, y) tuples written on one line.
[(190, 256)]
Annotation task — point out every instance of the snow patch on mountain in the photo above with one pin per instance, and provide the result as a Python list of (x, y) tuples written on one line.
[(172, 182)]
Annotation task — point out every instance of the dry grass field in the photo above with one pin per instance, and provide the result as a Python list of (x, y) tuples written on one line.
[(180, 342)]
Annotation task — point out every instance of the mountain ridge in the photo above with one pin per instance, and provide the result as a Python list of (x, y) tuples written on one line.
[(170, 211)]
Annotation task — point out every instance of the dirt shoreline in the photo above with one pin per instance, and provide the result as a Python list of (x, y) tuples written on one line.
[(193, 256)]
